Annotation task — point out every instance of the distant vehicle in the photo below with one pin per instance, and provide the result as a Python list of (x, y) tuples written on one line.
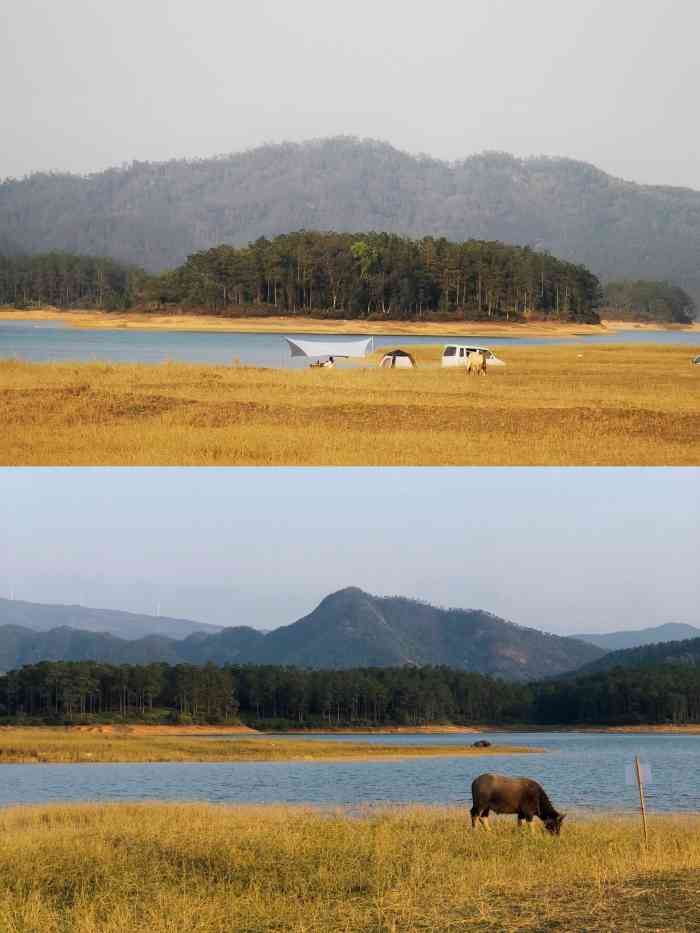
[(697, 360), (456, 354)]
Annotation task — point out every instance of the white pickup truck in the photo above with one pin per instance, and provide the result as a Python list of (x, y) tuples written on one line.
[(456, 354)]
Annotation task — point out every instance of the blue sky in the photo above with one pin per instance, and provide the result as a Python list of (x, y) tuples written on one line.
[(564, 550)]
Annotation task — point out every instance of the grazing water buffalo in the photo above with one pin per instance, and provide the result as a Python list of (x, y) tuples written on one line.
[(513, 795), (476, 363)]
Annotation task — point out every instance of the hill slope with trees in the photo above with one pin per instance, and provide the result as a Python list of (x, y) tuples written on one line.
[(685, 652), (349, 628), (156, 214), (648, 301)]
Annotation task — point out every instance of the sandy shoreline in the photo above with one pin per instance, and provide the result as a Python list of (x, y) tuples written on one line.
[(300, 324), (478, 730), (390, 730), (185, 730)]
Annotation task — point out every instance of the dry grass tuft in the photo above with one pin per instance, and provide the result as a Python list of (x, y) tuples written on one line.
[(162, 868), (572, 405)]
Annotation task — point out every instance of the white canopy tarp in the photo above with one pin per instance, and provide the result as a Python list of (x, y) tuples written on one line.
[(343, 347)]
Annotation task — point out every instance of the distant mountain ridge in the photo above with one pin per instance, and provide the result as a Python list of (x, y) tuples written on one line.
[(156, 214), (618, 641), (45, 616), (20, 646), (347, 629)]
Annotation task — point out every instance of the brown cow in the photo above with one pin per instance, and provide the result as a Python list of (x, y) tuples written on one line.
[(513, 795)]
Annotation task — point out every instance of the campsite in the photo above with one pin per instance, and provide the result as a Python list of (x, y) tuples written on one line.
[(573, 404)]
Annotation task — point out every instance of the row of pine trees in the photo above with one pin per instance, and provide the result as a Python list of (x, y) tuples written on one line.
[(71, 691), (381, 275), (372, 275)]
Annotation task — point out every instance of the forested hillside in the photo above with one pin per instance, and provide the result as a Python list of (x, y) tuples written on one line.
[(648, 301), (666, 652), (352, 628), (156, 214), (68, 281), (20, 646), (349, 628), (363, 696), (380, 274)]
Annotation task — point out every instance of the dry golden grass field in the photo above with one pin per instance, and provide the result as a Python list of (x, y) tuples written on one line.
[(566, 405), (43, 745), (171, 868)]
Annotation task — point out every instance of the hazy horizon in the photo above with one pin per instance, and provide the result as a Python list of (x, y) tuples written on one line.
[(562, 550), (612, 85)]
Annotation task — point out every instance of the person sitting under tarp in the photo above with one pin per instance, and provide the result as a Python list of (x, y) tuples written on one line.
[(325, 364)]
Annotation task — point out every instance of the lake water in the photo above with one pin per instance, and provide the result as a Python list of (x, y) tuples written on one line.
[(47, 341), (581, 770)]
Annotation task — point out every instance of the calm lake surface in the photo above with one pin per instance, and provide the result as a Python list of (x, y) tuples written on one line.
[(579, 770), (48, 341)]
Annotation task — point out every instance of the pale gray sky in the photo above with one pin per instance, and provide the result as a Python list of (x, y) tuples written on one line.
[(89, 84), (564, 550)]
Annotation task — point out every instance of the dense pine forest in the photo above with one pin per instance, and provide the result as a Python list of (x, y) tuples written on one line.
[(380, 275), (64, 280), (343, 275), (278, 696)]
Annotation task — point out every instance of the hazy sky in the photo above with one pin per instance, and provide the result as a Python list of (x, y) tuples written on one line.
[(88, 84), (564, 550)]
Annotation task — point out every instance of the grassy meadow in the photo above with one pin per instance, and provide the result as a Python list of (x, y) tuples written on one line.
[(566, 405), (167, 868), (43, 745)]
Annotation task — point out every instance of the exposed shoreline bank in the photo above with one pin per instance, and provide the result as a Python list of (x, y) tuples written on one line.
[(182, 321), (66, 745)]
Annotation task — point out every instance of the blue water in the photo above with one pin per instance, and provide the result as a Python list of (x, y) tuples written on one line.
[(48, 341), (583, 770)]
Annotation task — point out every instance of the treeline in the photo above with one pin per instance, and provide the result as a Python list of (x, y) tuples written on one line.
[(649, 301), (74, 691), (669, 693), (64, 280), (70, 690), (380, 275)]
